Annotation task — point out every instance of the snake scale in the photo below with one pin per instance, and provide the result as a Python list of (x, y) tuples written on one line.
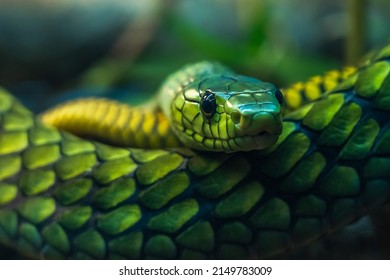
[(64, 197)]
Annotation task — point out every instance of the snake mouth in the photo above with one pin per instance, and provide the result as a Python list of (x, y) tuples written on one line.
[(261, 133)]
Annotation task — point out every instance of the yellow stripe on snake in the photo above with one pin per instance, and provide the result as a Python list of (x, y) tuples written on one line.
[(282, 183)]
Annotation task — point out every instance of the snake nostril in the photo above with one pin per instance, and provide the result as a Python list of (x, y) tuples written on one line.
[(236, 116)]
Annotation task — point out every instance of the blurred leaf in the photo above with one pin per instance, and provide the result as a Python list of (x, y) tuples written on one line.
[(254, 17), (211, 46)]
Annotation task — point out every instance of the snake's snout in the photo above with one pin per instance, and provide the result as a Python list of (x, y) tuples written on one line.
[(258, 119)]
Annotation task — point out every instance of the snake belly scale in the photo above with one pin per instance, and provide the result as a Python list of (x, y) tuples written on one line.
[(66, 197)]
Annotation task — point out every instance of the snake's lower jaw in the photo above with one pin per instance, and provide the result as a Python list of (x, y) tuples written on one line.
[(258, 132), (256, 142)]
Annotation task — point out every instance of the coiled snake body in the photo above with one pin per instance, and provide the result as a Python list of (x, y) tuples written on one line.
[(66, 197)]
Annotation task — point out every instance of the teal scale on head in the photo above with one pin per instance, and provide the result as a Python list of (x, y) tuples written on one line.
[(211, 108)]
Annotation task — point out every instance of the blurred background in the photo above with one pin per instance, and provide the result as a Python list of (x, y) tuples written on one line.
[(48, 47), (51, 51)]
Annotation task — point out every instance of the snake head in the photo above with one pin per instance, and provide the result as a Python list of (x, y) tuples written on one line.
[(222, 111)]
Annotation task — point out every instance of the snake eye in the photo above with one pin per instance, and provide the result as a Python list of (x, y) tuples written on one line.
[(279, 96), (207, 104)]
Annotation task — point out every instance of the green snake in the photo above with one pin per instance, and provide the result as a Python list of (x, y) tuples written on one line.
[(323, 166), (203, 106)]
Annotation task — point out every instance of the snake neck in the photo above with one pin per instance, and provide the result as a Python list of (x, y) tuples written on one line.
[(114, 123)]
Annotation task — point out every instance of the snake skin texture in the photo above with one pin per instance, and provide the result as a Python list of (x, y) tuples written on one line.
[(66, 197)]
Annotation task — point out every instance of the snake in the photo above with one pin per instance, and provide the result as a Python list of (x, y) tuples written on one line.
[(203, 106), (219, 166)]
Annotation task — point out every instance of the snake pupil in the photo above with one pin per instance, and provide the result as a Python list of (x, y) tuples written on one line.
[(279, 96), (208, 104)]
